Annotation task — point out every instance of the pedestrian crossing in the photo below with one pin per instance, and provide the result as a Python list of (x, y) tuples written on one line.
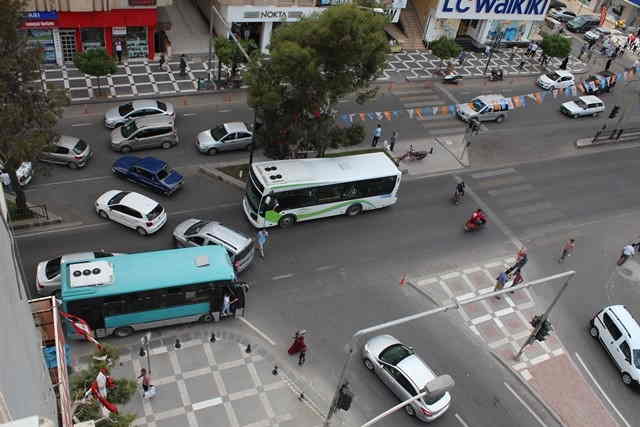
[(415, 95)]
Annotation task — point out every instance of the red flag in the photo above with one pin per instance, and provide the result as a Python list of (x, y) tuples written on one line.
[(603, 15), (103, 400), (81, 327)]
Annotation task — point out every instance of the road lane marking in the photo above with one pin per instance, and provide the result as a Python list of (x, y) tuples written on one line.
[(584, 366), (227, 110), (258, 331), (511, 190), (72, 181), (459, 418), (189, 114), (528, 209), (496, 172), (81, 125), (59, 230), (326, 267), (525, 405), (284, 276)]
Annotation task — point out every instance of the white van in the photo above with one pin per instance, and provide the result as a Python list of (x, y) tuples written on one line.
[(485, 108), (619, 334)]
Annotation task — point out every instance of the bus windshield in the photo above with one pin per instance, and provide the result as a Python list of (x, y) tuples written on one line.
[(253, 195)]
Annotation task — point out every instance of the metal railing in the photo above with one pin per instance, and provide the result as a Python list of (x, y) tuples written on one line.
[(32, 211)]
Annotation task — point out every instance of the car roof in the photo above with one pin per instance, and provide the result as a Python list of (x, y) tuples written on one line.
[(236, 127), (417, 370), (144, 103), (151, 164), (491, 98), (630, 324), (78, 256), (590, 98), (139, 202), (154, 120), (66, 141), (218, 231), (563, 73)]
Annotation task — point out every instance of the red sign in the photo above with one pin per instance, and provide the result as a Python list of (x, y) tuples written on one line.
[(603, 15), (39, 24)]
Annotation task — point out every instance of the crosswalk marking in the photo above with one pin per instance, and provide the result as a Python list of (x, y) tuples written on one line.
[(535, 207), (409, 98), (498, 182), (402, 93), (452, 131), (497, 172), (510, 190), (518, 198)]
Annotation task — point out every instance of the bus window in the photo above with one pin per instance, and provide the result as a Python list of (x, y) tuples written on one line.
[(173, 297), (114, 306), (350, 191), (327, 194)]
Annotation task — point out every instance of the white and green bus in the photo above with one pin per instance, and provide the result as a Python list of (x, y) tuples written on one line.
[(283, 192)]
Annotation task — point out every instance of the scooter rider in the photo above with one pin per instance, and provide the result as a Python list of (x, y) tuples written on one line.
[(478, 217)]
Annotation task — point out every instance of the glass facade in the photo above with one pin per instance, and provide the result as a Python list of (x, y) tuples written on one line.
[(137, 45), (44, 39), (513, 31), (92, 38)]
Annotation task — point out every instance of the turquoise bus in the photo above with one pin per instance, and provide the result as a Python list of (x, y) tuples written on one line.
[(125, 293)]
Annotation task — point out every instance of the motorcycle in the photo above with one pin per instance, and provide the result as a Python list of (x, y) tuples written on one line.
[(415, 155), (451, 78), (471, 225), (496, 75)]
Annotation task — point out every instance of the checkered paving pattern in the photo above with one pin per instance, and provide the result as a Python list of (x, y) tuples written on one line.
[(205, 384), (503, 324)]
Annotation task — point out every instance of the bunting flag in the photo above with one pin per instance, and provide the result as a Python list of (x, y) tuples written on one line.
[(435, 110), (379, 115), (427, 111), (387, 114), (516, 101), (372, 116), (543, 95), (410, 112), (351, 117), (523, 100), (363, 116), (619, 75), (452, 109), (345, 117), (395, 114), (535, 96), (555, 92), (443, 110), (581, 87), (81, 327), (419, 113)]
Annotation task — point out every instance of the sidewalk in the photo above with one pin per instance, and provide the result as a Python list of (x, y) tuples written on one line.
[(545, 367), (206, 383)]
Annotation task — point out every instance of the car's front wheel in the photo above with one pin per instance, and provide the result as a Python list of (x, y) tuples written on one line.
[(368, 364), (626, 379), (103, 214), (125, 149), (72, 165), (212, 152)]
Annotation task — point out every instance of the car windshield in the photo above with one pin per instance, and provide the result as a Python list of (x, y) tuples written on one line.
[(195, 227), (80, 147), (580, 103), (154, 213), (117, 198), (553, 76), (579, 20), (602, 30), (478, 105), (430, 399), (52, 269), (636, 358), (129, 129), (395, 354), (125, 109), (218, 132), (163, 173), (162, 106)]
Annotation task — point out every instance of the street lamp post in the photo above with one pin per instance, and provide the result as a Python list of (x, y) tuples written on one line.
[(211, 43)]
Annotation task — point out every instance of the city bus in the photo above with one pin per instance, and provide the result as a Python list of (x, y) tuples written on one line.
[(125, 293), (284, 192)]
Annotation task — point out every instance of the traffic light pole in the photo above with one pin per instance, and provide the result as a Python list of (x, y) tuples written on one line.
[(543, 320), (454, 305)]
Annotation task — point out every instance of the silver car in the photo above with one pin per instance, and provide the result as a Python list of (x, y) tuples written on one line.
[(48, 272), (117, 116), (225, 137), (196, 232), (143, 133), (24, 173), (405, 374), (67, 150)]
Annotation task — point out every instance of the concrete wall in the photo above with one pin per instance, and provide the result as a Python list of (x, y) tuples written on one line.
[(25, 386)]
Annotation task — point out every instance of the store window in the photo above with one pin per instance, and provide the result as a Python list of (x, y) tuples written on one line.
[(44, 40), (92, 38), (512, 31), (137, 45)]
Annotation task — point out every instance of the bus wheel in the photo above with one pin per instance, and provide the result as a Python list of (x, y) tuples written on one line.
[(123, 332), (354, 210), (287, 221), (207, 318)]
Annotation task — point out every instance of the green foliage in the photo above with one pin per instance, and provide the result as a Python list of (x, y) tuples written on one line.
[(556, 46), (229, 53), (91, 411), (355, 134), (95, 62), (28, 113), (445, 48), (312, 64)]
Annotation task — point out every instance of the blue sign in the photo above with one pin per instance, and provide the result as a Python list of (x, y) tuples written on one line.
[(522, 10), (41, 16)]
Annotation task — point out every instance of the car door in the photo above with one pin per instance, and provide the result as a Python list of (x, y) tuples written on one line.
[(142, 138), (622, 355), (116, 214), (132, 218), (145, 177), (399, 384), (609, 333), (228, 142), (244, 139)]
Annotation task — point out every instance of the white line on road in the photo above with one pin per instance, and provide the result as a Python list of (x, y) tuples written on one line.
[(584, 366), (284, 276), (525, 405), (224, 111), (326, 267), (463, 422), (73, 181), (190, 114), (77, 125), (258, 331), (58, 230), (496, 172)]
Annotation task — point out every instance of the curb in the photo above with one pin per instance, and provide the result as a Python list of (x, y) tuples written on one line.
[(215, 173), (533, 392), (32, 223), (589, 142), (159, 96)]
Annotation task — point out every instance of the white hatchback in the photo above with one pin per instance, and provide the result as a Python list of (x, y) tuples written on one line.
[(583, 106), (132, 210), (558, 79)]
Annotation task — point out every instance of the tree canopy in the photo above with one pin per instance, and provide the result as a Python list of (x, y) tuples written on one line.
[(95, 62), (312, 64), (28, 111), (556, 46), (229, 53), (445, 48)]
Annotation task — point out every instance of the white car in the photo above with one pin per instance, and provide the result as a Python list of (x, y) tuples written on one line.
[(117, 116), (562, 15), (596, 33), (583, 106), (224, 137), (24, 172), (132, 210), (48, 272), (558, 79)]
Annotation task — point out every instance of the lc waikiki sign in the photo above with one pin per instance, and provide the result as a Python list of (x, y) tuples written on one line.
[(520, 10)]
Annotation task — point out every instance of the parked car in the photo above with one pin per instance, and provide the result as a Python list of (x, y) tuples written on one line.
[(225, 137), (117, 116), (67, 150), (48, 272), (24, 173), (597, 33), (484, 108), (619, 334), (132, 210), (558, 79), (601, 82), (147, 132), (149, 171), (197, 232), (556, 4), (562, 15), (583, 106), (583, 23), (405, 374)]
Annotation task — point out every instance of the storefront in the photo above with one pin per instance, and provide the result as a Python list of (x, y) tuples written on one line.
[(482, 20), (626, 10), (63, 34)]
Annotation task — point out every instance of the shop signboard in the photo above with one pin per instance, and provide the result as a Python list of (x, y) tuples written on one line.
[(119, 31), (521, 10), (41, 16), (269, 14)]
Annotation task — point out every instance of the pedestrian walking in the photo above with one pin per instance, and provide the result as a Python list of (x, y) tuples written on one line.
[(303, 356), (521, 260), (564, 64), (521, 66), (162, 61), (529, 48), (487, 51), (168, 49), (377, 133), (609, 61), (501, 280), (261, 239), (534, 48), (567, 250), (183, 65), (461, 58), (247, 32), (393, 139), (298, 343), (627, 252), (583, 49), (118, 46), (148, 389), (226, 305), (514, 51), (517, 279), (6, 182)]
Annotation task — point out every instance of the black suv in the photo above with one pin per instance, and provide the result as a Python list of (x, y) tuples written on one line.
[(583, 23)]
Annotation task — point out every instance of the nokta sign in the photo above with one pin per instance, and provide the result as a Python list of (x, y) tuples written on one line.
[(519, 10)]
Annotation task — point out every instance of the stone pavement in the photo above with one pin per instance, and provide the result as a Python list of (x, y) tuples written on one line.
[(503, 325), (205, 383)]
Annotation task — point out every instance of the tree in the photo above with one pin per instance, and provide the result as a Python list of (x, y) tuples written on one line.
[(556, 46), (445, 48), (312, 64), (28, 112), (95, 62), (229, 53)]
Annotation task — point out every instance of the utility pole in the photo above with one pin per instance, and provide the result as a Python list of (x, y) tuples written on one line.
[(496, 44), (454, 305)]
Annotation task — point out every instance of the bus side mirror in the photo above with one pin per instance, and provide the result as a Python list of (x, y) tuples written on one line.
[(267, 201)]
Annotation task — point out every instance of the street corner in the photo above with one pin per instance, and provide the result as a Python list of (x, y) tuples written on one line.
[(440, 157), (213, 376)]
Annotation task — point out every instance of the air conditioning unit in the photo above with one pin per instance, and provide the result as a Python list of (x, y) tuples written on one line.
[(90, 273)]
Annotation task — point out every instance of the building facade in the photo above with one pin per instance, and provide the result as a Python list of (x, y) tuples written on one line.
[(64, 27)]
